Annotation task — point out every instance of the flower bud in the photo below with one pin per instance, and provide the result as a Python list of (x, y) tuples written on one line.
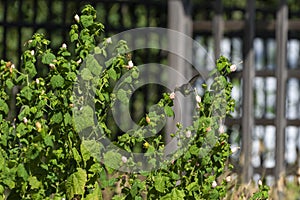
[(259, 182), (79, 61), (52, 66), (76, 17), (25, 120), (146, 145), (148, 119), (233, 68), (130, 64), (32, 52), (37, 81), (108, 40), (221, 129), (172, 95), (234, 149), (228, 179), (188, 134), (198, 99), (38, 126), (214, 184), (64, 46), (11, 68), (124, 159)]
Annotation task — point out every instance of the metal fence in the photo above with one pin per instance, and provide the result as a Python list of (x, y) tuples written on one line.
[(266, 86), (266, 39)]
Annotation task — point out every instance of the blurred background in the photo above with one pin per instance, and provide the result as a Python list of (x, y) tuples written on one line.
[(264, 34)]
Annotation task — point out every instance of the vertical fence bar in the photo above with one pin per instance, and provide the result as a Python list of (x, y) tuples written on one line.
[(179, 20), (281, 75), (248, 80), (218, 28)]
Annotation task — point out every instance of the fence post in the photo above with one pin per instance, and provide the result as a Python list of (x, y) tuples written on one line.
[(281, 75), (218, 28), (248, 80), (179, 19)]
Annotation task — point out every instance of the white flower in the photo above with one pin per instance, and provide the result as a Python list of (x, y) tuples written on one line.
[(233, 68), (29, 41), (32, 52), (64, 46), (221, 129), (188, 134), (76, 17), (259, 182), (234, 149), (124, 159), (214, 184), (228, 178), (108, 40), (37, 81), (172, 95), (130, 64), (198, 99), (52, 66), (79, 61), (25, 120), (13, 66)]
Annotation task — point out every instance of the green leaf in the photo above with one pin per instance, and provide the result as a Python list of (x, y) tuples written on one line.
[(57, 81), (86, 155), (21, 171), (160, 182), (112, 73), (67, 119), (96, 168), (76, 155), (93, 65), (30, 69), (174, 195), (192, 187), (93, 147), (2, 161), (83, 118), (3, 106), (169, 111), (9, 182), (48, 58), (96, 194), (122, 96), (86, 20), (34, 182), (135, 74), (9, 84), (112, 159), (48, 141), (86, 74), (56, 118), (26, 92), (75, 183), (194, 150), (74, 37)]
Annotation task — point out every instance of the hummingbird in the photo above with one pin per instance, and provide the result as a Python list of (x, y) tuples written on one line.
[(186, 88)]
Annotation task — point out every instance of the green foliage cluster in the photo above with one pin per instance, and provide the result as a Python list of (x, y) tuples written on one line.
[(43, 157)]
